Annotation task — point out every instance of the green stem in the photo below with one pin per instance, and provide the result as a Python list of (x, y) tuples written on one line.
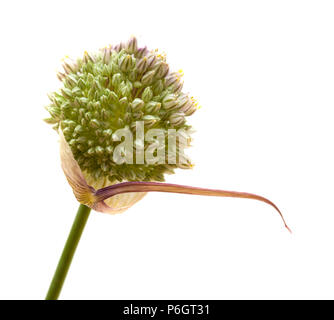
[(68, 253)]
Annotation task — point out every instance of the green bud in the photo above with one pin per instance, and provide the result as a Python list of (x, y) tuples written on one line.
[(152, 107), (94, 123), (107, 133), (141, 52), (161, 70), (67, 93), (51, 120), (188, 108), (126, 63), (137, 84), (99, 150), (70, 79), (69, 67), (142, 65), (169, 102), (137, 105), (158, 87), (148, 78), (61, 76), (116, 80), (76, 91), (131, 45), (125, 88), (68, 123), (67, 132), (88, 57), (72, 143), (176, 119), (150, 121), (81, 84), (133, 75), (123, 102), (79, 129), (151, 60), (147, 94), (81, 139), (106, 55), (54, 111), (177, 87), (90, 78)]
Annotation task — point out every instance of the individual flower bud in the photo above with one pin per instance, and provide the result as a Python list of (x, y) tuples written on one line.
[(177, 87), (88, 57), (125, 88), (137, 115), (162, 70), (123, 102), (69, 66), (127, 117), (67, 93), (81, 84), (125, 63), (54, 111), (147, 94), (106, 55), (81, 140), (131, 45), (61, 76), (142, 65), (113, 97), (171, 79), (137, 84), (76, 91), (189, 107), (79, 129), (137, 105), (141, 52), (114, 68), (107, 133), (152, 107), (51, 120), (71, 80), (150, 121), (94, 123), (169, 102), (176, 119), (148, 78), (190, 111), (68, 123), (133, 75), (151, 60), (116, 80), (118, 47), (158, 87)]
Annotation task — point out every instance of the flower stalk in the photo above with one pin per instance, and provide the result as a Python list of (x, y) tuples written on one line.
[(68, 252)]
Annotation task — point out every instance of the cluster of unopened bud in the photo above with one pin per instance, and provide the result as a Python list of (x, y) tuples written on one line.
[(114, 89)]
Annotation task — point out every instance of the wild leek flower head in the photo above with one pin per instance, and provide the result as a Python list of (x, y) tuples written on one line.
[(121, 116), (115, 89)]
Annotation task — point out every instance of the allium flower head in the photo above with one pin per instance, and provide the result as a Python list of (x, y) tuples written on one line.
[(124, 91), (114, 89)]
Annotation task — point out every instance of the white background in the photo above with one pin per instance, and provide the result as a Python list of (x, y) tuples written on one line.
[(263, 72)]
